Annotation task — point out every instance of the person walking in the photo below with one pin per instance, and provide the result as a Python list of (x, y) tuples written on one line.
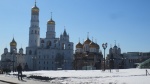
[(19, 69)]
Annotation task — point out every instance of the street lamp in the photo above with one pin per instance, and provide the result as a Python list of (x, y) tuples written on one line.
[(104, 45)]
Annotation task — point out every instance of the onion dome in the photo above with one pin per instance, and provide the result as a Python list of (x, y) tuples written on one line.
[(51, 22), (5, 48), (88, 41), (13, 43), (79, 45), (35, 9), (21, 49), (115, 47), (93, 45)]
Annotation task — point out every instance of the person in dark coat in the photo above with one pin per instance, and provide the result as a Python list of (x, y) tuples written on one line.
[(19, 69)]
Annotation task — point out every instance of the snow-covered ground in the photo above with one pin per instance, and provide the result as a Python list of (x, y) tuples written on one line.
[(124, 76)]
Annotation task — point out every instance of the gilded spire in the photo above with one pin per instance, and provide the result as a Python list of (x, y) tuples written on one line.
[(51, 15), (51, 20), (13, 43), (79, 39), (87, 35), (35, 3), (115, 42)]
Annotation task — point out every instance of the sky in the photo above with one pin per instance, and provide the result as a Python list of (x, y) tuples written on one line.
[(126, 21)]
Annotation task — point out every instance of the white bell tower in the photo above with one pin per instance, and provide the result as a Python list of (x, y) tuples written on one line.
[(34, 31), (50, 28)]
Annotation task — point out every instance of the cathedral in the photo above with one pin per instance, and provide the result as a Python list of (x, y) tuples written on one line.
[(87, 55), (51, 52), (10, 60), (115, 59)]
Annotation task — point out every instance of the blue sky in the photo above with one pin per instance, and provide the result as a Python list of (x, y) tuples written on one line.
[(126, 21)]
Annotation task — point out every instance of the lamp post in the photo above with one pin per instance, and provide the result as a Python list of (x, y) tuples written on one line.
[(104, 45)]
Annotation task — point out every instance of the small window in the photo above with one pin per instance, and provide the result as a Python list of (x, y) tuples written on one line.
[(32, 32)]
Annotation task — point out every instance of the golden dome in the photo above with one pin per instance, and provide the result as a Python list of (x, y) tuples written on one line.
[(79, 45), (88, 41), (51, 22), (13, 43), (35, 10), (93, 45)]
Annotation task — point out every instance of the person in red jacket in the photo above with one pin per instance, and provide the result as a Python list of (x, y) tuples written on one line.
[(19, 69)]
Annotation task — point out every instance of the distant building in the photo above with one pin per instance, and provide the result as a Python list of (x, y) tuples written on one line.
[(115, 59), (49, 53), (133, 58), (87, 55), (13, 58)]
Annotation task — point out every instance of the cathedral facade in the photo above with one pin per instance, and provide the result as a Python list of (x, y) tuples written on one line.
[(87, 55), (10, 60), (49, 53), (115, 59)]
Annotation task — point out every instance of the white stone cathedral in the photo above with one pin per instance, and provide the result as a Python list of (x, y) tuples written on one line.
[(49, 53), (10, 60)]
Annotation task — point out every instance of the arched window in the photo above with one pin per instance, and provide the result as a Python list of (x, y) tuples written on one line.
[(38, 32), (63, 46), (48, 44), (32, 32)]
